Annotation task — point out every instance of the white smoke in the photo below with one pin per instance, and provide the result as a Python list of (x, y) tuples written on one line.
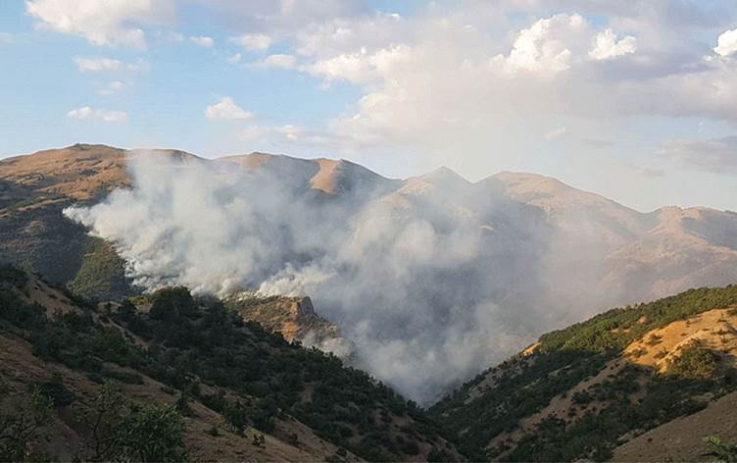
[(430, 285)]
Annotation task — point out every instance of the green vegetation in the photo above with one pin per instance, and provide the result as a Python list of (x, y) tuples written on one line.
[(121, 432), (525, 385), (23, 425), (102, 273), (695, 362), (721, 451), (259, 378), (615, 329)]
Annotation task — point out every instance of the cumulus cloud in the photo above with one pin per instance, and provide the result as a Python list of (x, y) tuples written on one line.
[(112, 22), (202, 41), (104, 115), (727, 43), (606, 45), (253, 42), (542, 47), (226, 109)]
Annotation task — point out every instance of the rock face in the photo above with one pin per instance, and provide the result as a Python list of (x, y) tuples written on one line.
[(294, 318)]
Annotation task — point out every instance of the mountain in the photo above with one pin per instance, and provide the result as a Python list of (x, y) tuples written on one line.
[(435, 273), (34, 189), (220, 389), (637, 383)]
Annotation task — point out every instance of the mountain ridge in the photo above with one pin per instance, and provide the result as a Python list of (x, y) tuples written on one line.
[(504, 258)]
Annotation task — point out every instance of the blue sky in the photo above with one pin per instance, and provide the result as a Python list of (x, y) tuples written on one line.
[(636, 100)]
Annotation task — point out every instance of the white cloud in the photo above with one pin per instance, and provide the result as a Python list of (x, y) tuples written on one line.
[(542, 47), (235, 59), (253, 42), (103, 115), (280, 61), (109, 22), (97, 64), (202, 41), (606, 45), (226, 109), (100, 64), (727, 43), (112, 88), (168, 37)]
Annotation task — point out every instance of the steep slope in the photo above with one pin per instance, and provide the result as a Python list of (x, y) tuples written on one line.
[(682, 438), (243, 393), (585, 390), (294, 318), (35, 188)]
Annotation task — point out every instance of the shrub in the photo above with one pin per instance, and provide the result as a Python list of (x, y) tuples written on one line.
[(694, 362)]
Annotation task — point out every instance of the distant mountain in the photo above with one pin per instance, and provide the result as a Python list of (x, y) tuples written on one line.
[(643, 383), (420, 264)]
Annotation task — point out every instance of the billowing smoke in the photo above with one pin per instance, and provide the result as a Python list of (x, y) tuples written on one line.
[(414, 286), (432, 279)]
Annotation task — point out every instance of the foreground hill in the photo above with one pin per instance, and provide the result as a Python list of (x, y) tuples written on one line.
[(636, 384), (97, 382)]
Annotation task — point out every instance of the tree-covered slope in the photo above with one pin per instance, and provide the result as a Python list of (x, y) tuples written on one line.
[(582, 391), (224, 382)]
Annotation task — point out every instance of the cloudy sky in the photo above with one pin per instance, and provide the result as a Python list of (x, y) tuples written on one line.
[(634, 99)]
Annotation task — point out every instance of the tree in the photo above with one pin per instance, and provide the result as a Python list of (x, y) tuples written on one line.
[(154, 433), (20, 428), (103, 418)]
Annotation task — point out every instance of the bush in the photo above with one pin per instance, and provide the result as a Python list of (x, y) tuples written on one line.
[(56, 391), (694, 362), (154, 434)]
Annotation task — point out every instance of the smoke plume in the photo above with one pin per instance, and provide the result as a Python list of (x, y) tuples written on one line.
[(432, 279)]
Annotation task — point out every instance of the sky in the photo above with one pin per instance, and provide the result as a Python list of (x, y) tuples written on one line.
[(634, 100)]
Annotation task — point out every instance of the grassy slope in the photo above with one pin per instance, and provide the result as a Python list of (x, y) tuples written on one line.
[(492, 414)]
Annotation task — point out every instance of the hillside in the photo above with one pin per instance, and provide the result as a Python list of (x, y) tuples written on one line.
[(222, 389), (403, 268), (35, 188), (607, 386)]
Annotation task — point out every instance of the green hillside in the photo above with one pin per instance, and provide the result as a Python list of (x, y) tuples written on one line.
[(205, 354), (488, 413)]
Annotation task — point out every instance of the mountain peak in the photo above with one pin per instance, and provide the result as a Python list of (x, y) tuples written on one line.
[(443, 178)]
